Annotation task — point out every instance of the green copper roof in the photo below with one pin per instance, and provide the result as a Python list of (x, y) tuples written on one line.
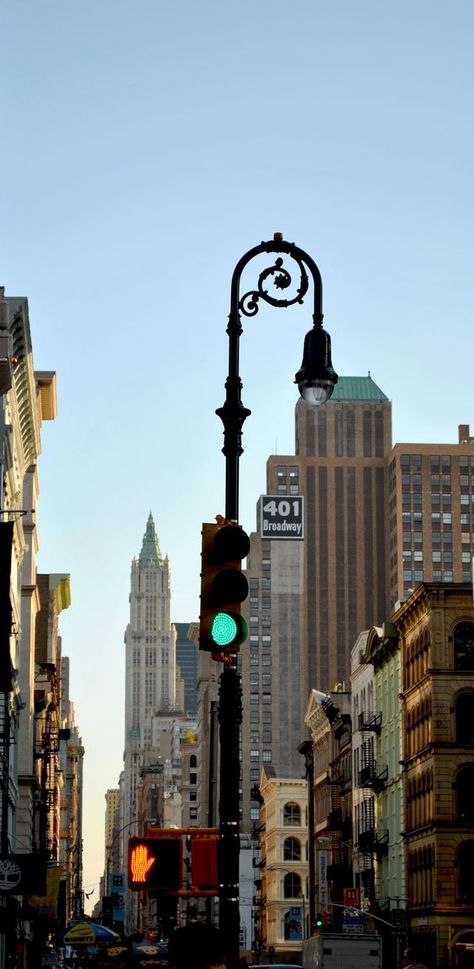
[(150, 546), (357, 388)]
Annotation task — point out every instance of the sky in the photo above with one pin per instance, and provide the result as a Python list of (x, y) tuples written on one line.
[(146, 146)]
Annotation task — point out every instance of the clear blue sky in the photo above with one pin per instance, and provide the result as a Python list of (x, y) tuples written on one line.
[(145, 147)]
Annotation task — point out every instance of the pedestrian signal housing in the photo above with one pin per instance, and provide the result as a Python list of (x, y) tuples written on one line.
[(155, 863), (223, 587)]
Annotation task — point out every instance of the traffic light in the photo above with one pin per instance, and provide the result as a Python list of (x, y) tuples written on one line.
[(223, 587), (155, 863), (318, 922)]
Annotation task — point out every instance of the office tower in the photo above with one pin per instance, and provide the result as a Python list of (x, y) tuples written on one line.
[(378, 519), (187, 660), (431, 505), (150, 658)]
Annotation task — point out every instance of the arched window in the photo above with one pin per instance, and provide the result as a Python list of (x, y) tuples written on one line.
[(292, 849), (464, 798), (292, 814), (292, 885), (463, 641), (466, 871), (464, 719)]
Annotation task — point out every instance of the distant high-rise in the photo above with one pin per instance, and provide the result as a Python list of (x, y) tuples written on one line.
[(150, 664), (187, 660), (377, 520)]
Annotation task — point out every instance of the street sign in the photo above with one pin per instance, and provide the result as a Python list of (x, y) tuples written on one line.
[(351, 896), (281, 518), (352, 921)]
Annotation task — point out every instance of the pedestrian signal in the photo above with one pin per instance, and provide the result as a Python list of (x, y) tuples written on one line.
[(155, 863)]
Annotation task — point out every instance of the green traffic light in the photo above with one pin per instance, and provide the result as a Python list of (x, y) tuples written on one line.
[(224, 629)]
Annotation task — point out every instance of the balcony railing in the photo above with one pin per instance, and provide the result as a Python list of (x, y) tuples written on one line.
[(371, 777), (370, 722), (370, 842)]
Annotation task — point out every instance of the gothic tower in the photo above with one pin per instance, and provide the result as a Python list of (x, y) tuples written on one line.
[(151, 691)]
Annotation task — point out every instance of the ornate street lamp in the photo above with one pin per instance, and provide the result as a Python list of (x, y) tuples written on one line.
[(316, 379)]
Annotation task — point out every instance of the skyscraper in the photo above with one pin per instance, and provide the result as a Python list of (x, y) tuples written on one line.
[(153, 687), (378, 519)]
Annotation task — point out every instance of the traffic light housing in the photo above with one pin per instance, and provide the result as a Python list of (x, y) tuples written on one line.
[(319, 921), (155, 864), (224, 587)]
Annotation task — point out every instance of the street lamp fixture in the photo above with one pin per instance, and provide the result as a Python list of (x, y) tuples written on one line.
[(316, 380)]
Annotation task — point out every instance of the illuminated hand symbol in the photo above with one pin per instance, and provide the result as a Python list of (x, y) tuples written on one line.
[(141, 863)]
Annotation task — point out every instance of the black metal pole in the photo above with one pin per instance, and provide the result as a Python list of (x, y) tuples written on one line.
[(306, 748), (233, 414)]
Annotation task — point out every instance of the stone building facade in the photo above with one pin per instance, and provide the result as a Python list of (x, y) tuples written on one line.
[(436, 627)]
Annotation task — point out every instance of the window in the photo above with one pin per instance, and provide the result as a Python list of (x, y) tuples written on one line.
[(292, 885), (193, 778), (463, 642), (254, 697), (466, 871), (254, 814), (291, 849), (464, 720), (464, 800), (193, 814), (266, 698), (193, 760), (291, 814), (254, 754), (254, 659)]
